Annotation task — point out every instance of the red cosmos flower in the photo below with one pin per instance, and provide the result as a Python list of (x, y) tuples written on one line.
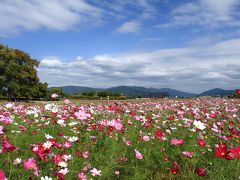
[(201, 142), (200, 171), (94, 126), (2, 175), (60, 134), (59, 175), (7, 146), (159, 133), (133, 114), (221, 150), (58, 158), (235, 151), (213, 115), (175, 168), (171, 118), (237, 91), (34, 132)]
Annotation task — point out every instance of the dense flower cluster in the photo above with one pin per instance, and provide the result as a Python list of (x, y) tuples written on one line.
[(147, 138)]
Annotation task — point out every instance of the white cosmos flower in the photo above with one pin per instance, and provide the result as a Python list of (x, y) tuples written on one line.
[(199, 125), (47, 145), (17, 161), (48, 136), (62, 164), (46, 178), (64, 171), (73, 139), (67, 157)]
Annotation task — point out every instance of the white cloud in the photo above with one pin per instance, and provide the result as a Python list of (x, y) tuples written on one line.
[(63, 15), (60, 15), (191, 69), (207, 13), (51, 62), (129, 27)]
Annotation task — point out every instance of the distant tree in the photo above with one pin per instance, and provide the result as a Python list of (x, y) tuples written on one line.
[(18, 75), (103, 94)]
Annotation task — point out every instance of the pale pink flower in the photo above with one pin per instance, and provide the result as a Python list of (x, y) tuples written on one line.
[(95, 172), (66, 101), (85, 154), (81, 115), (1, 130), (188, 154), (138, 154), (128, 142), (82, 176), (146, 138), (54, 96), (117, 173)]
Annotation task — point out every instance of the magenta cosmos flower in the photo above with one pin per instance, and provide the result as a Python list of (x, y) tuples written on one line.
[(31, 164), (177, 141)]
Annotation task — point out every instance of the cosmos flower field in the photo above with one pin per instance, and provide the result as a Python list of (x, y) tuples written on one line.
[(141, 139)]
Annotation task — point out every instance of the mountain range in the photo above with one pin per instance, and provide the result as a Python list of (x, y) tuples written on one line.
[(135, 91)]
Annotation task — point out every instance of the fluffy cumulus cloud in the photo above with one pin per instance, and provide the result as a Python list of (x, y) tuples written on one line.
[(208, 13), (191, 69)]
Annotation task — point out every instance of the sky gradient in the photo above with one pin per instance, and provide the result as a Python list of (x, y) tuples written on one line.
[(186, 45)]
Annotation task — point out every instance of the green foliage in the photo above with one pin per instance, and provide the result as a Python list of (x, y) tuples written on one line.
[(18, 75), (98, 95)]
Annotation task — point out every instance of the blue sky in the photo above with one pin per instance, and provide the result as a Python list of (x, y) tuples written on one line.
[(187, 45)]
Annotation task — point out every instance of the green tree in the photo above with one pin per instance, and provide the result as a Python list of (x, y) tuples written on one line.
[(18, 75)]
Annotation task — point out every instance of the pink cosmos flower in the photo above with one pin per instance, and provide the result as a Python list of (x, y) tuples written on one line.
[(31, 164), (177, 141), (82, 176), (68, 144), (54, 96), (2, 175), (128, 142), (188, 154), (1, 130), (85, 154), (146, 138), (138, 154), (81, 115), (66, 101)]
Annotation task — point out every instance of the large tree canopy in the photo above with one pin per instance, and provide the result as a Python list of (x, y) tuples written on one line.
[(18, 75)]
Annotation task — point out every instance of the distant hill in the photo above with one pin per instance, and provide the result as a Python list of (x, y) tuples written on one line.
[(217, 92), (77, 89), (136, 91)]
